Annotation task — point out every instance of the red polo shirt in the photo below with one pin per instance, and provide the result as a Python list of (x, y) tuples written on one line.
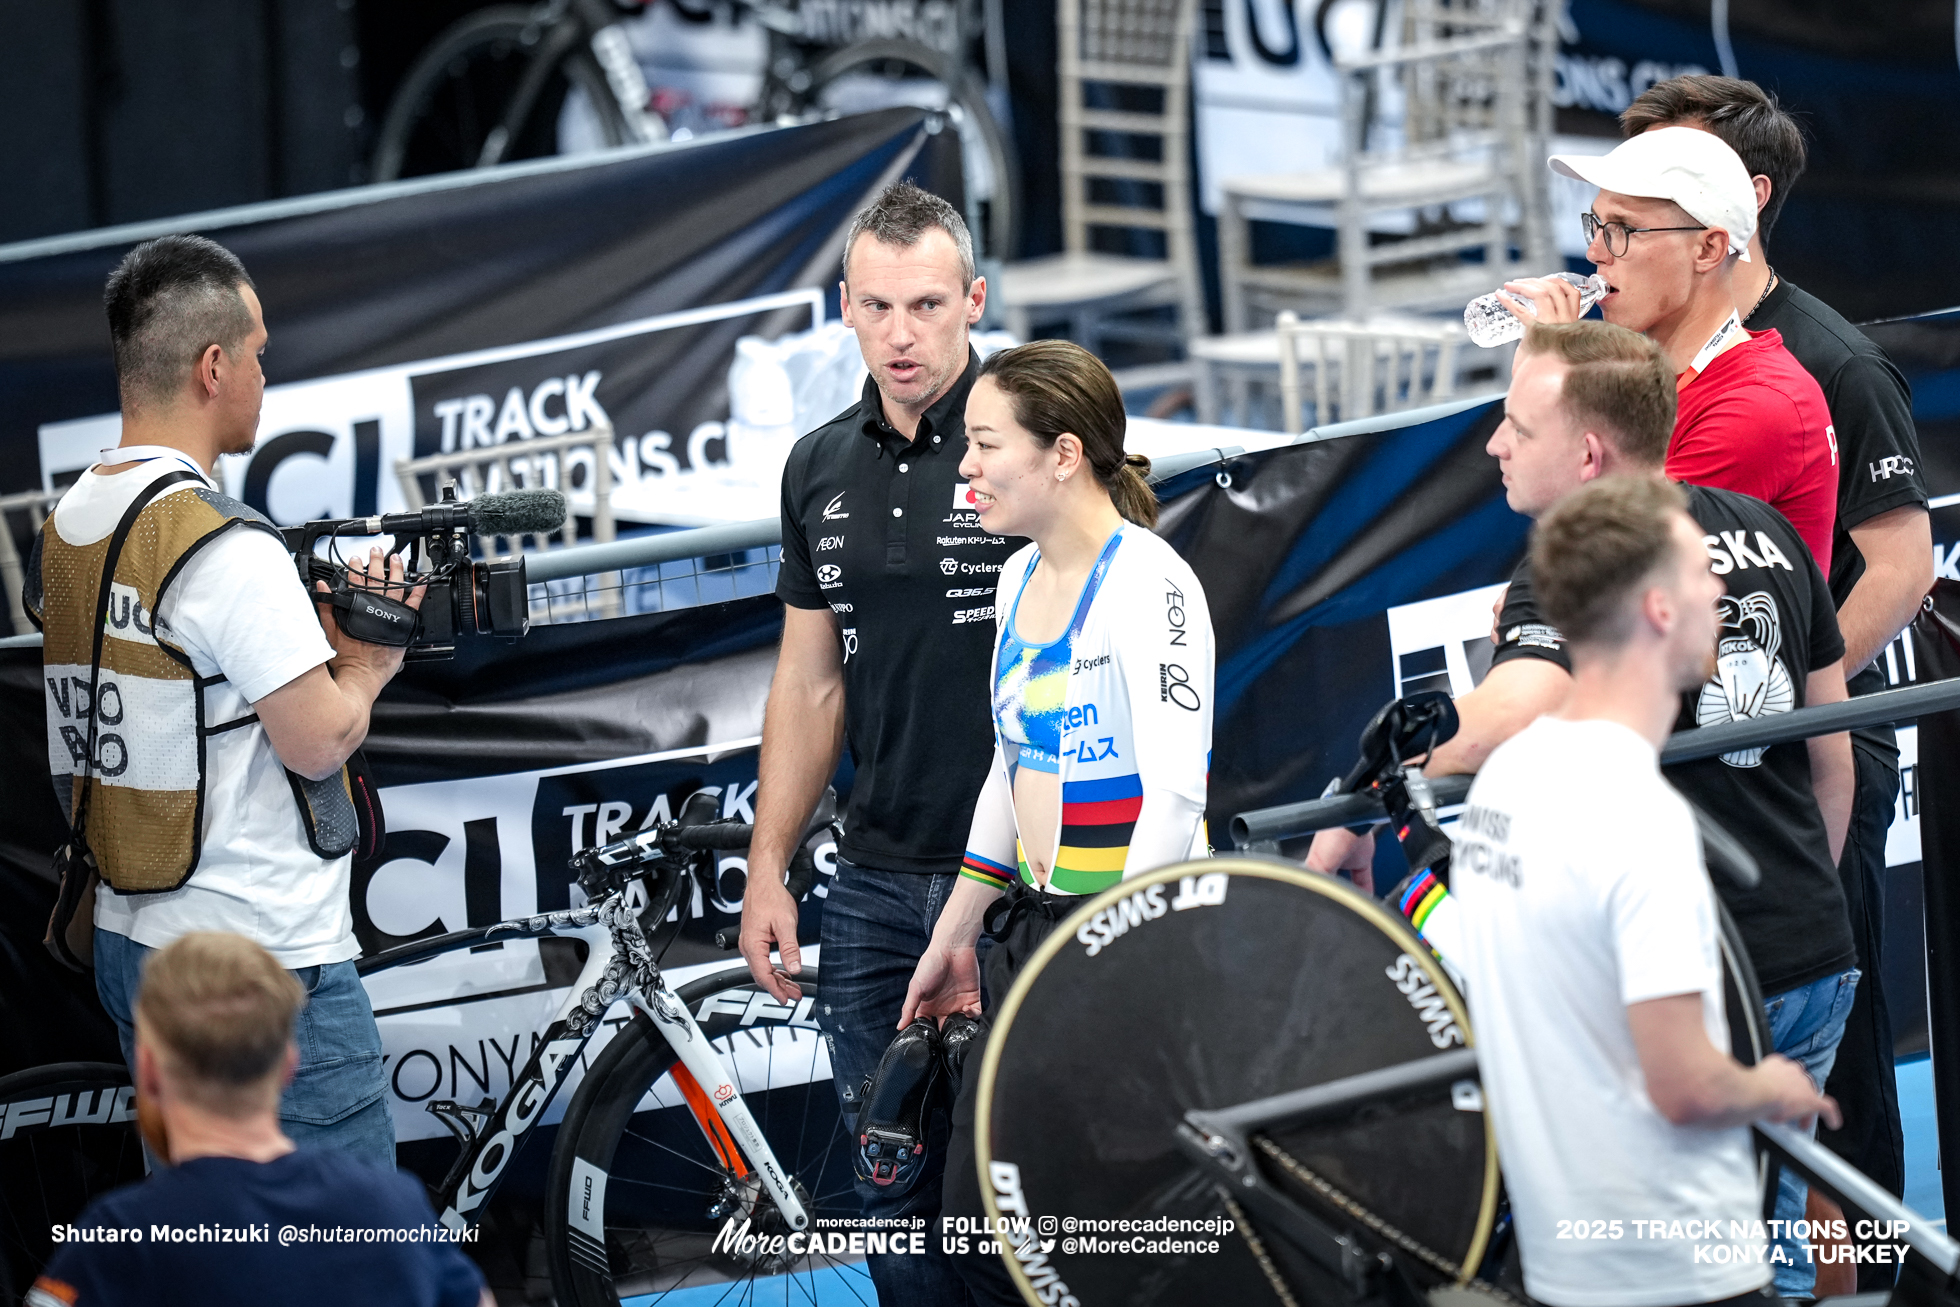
[(1755, 422)]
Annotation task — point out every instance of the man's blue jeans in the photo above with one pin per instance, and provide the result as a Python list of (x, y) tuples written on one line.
[(875, 926), (1805, 1025), (337, 1098)]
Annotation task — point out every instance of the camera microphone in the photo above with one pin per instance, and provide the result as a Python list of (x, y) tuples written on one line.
[(509, 514), (516, 513)]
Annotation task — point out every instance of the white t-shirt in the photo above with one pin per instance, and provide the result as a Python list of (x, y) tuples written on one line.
[(236, 609), (1578, 874)]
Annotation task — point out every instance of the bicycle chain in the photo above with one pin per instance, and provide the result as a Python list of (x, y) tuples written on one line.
[(1260, 1254), (1393, 1234)]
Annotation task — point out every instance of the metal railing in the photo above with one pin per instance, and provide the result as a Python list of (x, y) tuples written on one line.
[(1265, 826), (662, 571)]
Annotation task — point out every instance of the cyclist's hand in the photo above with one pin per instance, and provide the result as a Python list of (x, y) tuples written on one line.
[(1338, 849), (946, 981), (1797, 1097), (769, 921)]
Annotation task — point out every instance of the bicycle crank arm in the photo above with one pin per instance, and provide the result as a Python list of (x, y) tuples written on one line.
[(700, 1058)]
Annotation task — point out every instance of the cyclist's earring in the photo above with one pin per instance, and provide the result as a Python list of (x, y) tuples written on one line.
[(1061, 476)]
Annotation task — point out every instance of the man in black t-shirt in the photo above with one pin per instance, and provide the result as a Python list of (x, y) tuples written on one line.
[(237, 1214), (1881, 562), (888, 584), (1587, 400)]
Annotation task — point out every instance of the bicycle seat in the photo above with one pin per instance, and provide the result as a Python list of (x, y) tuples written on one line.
[(892, 1109)]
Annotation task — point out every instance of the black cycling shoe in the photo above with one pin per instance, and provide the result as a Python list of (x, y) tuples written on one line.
[(892, 1109), (956, 1039)]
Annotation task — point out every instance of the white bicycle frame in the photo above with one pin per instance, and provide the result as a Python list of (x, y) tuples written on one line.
[(609, 975)]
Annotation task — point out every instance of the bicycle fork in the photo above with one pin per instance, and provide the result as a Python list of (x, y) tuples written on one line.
[(731, 1117)]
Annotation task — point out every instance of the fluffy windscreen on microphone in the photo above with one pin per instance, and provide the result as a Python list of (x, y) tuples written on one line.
[(517, 512)]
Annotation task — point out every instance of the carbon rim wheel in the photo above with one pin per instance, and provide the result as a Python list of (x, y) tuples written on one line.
[(1202, 985), (639, 1192), (474, 97), (67, 1135)]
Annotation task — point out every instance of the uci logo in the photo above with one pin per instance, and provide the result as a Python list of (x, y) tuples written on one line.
[(949, 565)]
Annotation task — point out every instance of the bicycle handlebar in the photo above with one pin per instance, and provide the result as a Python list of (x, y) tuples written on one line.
[(721, 836)]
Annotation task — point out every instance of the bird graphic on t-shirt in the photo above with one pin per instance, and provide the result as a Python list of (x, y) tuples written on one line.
[(1750, 680)]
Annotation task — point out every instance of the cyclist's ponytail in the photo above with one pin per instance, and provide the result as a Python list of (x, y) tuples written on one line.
[(1058, 388), (1132, 494)]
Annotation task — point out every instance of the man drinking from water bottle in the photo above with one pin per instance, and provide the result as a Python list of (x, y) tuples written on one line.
[(1674, 215)]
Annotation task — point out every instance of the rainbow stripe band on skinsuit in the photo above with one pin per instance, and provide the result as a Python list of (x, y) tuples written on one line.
[(1098, 818), (1420, 899), (987, 871)]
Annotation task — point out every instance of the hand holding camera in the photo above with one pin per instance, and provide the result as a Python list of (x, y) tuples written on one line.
[(372, 605)]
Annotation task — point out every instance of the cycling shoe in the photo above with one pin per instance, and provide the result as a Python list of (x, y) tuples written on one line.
[(892, 1109), (956, 1038)]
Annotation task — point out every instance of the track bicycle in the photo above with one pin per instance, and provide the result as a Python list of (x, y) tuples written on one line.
[(491, 87), (701, 1138), (702, 1146), (1270, 1077)]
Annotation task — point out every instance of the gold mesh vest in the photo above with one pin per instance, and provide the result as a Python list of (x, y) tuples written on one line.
[(146, 790)]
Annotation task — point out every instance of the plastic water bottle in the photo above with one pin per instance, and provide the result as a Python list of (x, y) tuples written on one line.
[(1490, 323)]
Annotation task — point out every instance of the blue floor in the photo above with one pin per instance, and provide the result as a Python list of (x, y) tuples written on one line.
[(1923, 1194), (846, 1286)]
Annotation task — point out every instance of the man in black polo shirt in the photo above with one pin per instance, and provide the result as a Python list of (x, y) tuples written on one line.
[(888, 585), (1881, 564)]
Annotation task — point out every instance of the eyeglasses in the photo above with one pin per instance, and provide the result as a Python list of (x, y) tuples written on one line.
[(1618, 235)]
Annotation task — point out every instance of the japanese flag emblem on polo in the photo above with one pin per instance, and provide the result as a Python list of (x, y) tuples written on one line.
[(962, 498)]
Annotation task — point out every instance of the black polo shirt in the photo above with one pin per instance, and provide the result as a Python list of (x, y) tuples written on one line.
[(1778, 625), (1877, 444), (880, 530)]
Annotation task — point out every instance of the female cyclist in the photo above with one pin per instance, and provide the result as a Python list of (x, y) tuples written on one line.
[(1102, 692)]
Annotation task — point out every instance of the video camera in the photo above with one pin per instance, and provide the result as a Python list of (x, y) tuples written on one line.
[(463, 595)]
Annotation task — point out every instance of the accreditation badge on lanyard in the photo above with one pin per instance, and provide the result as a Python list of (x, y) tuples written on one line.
[(1716, 344)]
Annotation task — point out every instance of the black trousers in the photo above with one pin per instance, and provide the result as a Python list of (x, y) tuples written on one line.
[(986, 1274), (1863, 1080)]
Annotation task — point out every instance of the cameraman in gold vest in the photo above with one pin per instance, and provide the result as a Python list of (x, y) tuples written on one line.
[(200, 712)]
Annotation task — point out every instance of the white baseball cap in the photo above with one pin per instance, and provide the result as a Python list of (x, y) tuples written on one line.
[(1695, 169)]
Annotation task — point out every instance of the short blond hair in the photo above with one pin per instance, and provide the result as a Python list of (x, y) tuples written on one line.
[(1618, 383), (219, 1010)]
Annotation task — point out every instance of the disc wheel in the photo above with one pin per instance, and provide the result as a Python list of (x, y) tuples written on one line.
[(489, 90), (873, 74), (1201, 986), (642, 1182), (70, 1136)]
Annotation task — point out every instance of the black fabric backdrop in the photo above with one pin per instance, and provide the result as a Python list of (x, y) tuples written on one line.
[(494, 259)]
